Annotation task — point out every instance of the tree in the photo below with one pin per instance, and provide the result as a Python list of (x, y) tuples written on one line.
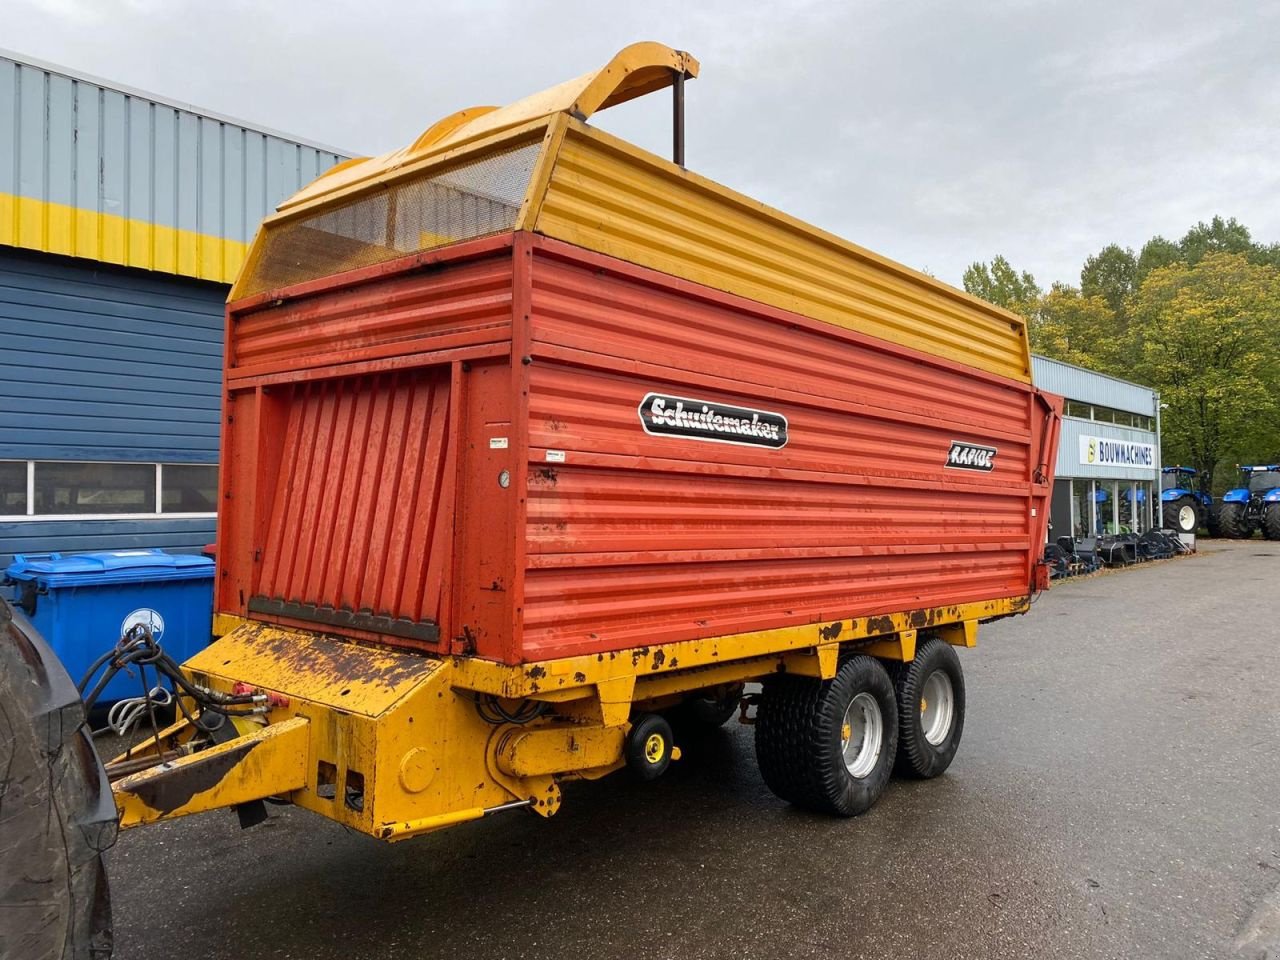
[(1111, 274), (1078, 329), (1216, 236), (1002, 285), (1207, 335), (1156, 253)]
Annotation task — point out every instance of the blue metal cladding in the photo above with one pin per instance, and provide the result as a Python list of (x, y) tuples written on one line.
[(93, 169), (106, 363), (82, 536)]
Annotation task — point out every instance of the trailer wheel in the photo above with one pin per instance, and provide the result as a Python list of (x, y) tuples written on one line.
[(1271, 522), (57, 810), (1233, 523), (828, 745), (650, 747), (930, 710)]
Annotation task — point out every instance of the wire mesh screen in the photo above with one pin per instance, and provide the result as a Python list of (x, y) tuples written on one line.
[(468, 201)]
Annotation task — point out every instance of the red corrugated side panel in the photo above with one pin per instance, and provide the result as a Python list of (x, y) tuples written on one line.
[(390, 474), (905, 481), (340, 450)]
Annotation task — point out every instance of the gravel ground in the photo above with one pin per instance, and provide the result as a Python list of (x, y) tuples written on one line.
[(1117, 794)]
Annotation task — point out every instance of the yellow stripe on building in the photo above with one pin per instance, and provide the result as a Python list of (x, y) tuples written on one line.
[(76, 232)]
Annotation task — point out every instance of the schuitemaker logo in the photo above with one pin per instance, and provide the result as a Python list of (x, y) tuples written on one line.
[(970, 456), (668, 416)]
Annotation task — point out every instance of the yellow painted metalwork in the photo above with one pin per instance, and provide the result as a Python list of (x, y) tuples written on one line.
[(75, 232), (820, 662), (666, 687), (224, 623), (585, 672), (541, 177), (609, 196), (269, 762), (365, 680), (960, 634), (901, 646), (560, 748), (389, 727), (636, 70), (405, 829), (598, 192), (401, 731)]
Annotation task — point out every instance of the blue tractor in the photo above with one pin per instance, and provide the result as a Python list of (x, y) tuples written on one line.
[(1253, 506), (1182, 507)]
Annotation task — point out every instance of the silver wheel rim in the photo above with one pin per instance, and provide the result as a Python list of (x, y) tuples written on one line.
[(937, 707), (861, 735), (1187, 518)]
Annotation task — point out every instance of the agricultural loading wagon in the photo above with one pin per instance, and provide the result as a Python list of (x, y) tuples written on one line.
[(530, 439)]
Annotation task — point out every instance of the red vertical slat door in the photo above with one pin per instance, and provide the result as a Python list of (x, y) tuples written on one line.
[(357, 498)]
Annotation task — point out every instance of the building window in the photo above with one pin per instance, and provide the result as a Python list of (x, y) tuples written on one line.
[(52, 489), (1074, 408), (13, 488), (188, 488), (1123, 418), (94, 488)]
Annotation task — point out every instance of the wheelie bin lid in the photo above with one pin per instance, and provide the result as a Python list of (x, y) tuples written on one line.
[(53, 570)]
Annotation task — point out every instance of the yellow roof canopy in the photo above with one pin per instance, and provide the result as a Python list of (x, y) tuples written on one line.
[(537, 166), (636, 70)]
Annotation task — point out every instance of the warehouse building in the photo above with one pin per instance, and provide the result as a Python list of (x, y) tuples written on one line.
[(123, 219), (1108, 470)]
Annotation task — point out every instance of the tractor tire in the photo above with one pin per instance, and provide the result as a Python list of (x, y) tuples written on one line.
[(930, 693), (1182, 515), (1271, 522), (1211, 522), (1231, 520), (57, 815), (829, 745)]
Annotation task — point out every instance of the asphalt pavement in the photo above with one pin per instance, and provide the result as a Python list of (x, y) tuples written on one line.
[(1116, 794)]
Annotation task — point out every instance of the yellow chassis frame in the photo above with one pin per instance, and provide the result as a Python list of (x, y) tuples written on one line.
[(392, 743)]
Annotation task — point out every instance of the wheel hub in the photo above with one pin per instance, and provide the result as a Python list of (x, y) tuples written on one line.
[(861, 735), (655, 748), (937, 707)]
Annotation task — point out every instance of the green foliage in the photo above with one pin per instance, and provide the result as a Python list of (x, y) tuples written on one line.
[(1111, 274), (1076, 328), (1208, 336), (1156, 252), (1216, 236), (1198, 320), (1002, 285)]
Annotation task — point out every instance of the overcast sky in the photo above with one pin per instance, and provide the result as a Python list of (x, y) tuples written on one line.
[(935, 133)]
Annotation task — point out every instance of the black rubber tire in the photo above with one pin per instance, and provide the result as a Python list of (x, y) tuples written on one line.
[(57, 815), (706, 713), (1172, 510), (1231, 520), (1211, 520), (1271, 521), (798, 738), (643, 763), (917, 758)]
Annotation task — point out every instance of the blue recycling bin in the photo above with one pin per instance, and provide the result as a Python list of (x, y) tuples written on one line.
[(83, 604)]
